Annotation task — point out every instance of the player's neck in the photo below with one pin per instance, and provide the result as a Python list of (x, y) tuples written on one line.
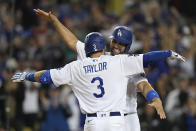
[(97, 54)]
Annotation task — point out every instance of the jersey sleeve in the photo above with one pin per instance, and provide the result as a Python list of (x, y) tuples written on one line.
[(80, 50), (139, 78), (133, 64), (61, 76)]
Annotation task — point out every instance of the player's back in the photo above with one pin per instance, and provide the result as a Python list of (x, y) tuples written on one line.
[(100, 83)]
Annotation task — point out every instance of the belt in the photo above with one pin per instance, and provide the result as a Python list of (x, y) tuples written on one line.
[(111, 114)]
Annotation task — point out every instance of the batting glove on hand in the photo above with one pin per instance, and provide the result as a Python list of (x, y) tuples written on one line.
[(19, 77), (175, 55)]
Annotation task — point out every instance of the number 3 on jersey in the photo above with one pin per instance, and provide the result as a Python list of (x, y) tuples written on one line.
[(100, 86)]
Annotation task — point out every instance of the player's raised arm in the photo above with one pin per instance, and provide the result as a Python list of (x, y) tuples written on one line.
[(152, 97), (66, 35)]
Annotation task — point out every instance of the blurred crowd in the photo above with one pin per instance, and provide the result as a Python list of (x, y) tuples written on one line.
[(30, 43)]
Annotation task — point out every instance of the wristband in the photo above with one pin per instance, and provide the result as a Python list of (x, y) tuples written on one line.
[(30, 77), (151, 94)]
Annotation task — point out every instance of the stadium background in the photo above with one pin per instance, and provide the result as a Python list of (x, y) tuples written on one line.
[(29, 43)]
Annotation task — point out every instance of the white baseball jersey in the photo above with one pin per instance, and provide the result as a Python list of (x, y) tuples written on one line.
[(134, 79), (100, 84)]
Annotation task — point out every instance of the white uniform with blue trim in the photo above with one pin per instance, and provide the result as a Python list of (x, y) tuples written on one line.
[(100, 85), (131, 120)]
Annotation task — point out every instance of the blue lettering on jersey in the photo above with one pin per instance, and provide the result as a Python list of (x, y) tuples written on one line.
[(95, 68)]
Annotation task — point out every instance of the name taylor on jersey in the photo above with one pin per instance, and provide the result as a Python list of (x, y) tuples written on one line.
[(95, 67)]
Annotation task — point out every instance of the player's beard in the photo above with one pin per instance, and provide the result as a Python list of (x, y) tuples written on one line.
[(116, 51)]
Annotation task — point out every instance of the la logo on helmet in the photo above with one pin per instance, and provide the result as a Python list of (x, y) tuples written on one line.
[(119, 33)]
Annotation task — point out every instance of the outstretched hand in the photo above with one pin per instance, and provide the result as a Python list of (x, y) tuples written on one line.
[(46, 15), (157, 104), (175, 55), (19, 77)]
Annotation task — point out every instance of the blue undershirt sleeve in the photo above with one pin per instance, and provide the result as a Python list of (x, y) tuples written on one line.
[(155, 56), (30, 77)]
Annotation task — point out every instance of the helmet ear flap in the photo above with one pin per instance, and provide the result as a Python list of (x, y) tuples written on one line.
[(128, 48), (86, 39)]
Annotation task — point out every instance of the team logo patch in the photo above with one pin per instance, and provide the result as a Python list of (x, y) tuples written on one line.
[(95, 47), (119, 33), (95, 60)]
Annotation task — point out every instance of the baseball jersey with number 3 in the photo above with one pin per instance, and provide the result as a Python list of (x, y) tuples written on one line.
[(132, 90), (100, 84)]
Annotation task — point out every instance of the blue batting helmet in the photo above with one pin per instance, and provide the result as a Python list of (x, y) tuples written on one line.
[(124, 35), (94, 42)]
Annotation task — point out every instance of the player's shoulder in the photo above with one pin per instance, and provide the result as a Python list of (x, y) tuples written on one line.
[(76, 62), (79, 46), (107, 53), (121, 56), (135, 56), (87, 60), (80, 43), (129, 57), (116, 56)]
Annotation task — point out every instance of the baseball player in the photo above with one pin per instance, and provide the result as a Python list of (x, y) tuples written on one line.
[(120, 43), (99, 82)]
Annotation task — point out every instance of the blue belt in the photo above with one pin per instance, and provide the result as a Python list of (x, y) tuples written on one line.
[(111, 114)]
